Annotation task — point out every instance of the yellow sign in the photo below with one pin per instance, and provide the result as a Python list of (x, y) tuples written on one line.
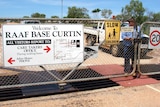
[(112, 32)]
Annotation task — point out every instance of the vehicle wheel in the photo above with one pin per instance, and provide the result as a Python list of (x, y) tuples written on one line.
[(91, 40), (143, 53), (144, 50), (115, 50)]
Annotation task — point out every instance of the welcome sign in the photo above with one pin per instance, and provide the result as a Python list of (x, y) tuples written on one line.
[(42, 44)]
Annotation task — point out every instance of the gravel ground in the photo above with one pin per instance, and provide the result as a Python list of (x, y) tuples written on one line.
[(141, 96)]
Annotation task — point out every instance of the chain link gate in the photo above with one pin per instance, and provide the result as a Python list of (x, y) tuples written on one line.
[(106, 62), (150, 63)]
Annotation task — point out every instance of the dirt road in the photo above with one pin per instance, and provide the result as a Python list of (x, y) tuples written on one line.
[(141, 96)]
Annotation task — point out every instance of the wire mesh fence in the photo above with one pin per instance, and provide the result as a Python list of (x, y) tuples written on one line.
[(100, 60), (148, 63)]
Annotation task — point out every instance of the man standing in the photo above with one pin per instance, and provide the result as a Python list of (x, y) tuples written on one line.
[(128, 43)]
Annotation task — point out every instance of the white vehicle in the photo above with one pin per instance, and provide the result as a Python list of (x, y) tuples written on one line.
[(30, 22), (97, 35), (21, 22)]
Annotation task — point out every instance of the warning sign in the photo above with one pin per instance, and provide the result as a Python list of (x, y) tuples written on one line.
[(154, 39), (112, 31), (42, 44)]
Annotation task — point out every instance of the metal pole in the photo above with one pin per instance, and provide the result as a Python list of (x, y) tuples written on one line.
[(139, 49), (61, 8)]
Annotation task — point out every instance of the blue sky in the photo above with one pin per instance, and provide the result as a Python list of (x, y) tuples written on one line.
[(20, 8)]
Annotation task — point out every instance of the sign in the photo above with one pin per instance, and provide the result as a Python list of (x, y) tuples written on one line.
[(154, 39), (42, 44), (112, 31), (127, 29)]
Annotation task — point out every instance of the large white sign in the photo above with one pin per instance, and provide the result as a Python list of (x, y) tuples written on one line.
[(42, 44), (154, 39)]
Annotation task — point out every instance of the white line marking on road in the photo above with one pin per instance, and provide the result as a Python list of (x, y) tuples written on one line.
[(155, 89)]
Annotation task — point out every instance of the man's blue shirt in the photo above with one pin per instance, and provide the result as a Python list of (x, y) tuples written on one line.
[(127, 35)]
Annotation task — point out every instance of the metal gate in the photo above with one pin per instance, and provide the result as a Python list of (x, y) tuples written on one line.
[(150, 63), (100, 64)]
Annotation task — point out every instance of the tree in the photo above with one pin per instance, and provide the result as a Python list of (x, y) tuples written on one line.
[(134, 9), (54, 17), (25, 16), (119, 17), (149, 15), (106, 13), (75, 12), (156, 17), (38, 15), (96, 12)]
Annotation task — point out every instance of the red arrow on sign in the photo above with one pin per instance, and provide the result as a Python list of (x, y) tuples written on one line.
[(10, 60), (47, 49)]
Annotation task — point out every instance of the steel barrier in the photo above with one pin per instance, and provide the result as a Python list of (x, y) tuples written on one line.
[(150, 63), (103, 65)]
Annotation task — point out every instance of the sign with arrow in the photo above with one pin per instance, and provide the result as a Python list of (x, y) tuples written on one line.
[(10, 60), (42, 44), (47, 49)]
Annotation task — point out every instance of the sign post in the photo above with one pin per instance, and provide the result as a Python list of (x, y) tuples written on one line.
[(42, 44)]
